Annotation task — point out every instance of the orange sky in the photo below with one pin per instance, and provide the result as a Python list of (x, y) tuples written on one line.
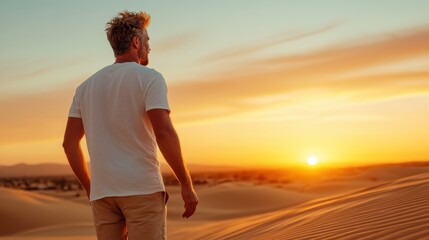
[(268, 100)]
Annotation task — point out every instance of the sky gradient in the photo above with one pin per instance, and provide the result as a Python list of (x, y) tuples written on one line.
[(250, 82)]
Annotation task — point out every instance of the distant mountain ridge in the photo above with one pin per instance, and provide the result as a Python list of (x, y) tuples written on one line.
[(57, 169)]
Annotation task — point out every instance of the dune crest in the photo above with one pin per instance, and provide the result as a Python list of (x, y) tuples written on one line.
[(395, 210)]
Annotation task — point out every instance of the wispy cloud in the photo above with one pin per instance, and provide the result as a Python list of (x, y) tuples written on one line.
[(226, 91), (410, 43), (175, 42), (14, 72), (241, 50)]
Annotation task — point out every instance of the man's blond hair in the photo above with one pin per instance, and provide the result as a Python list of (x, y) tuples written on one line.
[(121, 29)]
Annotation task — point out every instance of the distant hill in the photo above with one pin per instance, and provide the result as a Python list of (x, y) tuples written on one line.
[(55, 169)]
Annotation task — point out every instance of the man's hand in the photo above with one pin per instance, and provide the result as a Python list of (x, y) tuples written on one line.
[(191, 201)]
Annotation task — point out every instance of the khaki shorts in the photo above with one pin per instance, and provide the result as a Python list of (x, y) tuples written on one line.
[(138, 217)]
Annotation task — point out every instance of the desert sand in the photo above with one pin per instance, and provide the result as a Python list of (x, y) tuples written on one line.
[(390, 202)]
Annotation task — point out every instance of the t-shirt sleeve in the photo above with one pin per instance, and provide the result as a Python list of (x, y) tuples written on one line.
[(75, 106), (156, 95)]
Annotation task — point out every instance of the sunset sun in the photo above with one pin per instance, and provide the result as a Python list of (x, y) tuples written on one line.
[(312, 160)]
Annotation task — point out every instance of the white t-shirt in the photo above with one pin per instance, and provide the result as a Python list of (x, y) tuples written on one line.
[(113, 105)]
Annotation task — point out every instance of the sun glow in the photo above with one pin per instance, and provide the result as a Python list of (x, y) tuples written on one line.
[(312, 160)]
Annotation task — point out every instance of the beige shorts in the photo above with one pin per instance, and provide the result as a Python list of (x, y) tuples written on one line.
[(138, 217)]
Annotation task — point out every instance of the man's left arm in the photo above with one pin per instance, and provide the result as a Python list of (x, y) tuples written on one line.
[(71, 144)]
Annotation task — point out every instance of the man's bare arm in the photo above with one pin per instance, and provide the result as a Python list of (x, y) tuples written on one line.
[(71, 144), (169, 144)]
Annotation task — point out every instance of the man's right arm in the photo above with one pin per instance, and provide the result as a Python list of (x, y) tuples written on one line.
[(168, 143), (72, 137)]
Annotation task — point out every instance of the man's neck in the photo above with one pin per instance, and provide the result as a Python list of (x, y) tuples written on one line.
[(127, 57)]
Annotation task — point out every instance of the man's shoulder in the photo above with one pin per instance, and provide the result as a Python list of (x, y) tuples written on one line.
[(95, 75), (147, 71)]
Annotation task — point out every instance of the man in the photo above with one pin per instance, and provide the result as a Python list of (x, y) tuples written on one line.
[(124, 113)]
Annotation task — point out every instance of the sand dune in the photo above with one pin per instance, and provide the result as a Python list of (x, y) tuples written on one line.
[(395, 210), (232, 200), (22, 211), (356, 208)]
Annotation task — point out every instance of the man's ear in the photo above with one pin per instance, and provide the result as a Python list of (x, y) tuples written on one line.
[(135, 41)]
